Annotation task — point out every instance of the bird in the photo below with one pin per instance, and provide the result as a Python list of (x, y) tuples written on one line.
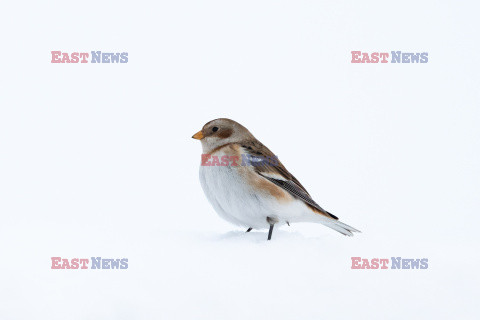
[(249, 187)]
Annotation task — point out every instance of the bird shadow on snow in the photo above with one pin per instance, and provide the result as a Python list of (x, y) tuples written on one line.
[(293, 242), (260, 236)]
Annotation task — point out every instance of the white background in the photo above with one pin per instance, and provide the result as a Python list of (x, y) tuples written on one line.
[(98, 160)]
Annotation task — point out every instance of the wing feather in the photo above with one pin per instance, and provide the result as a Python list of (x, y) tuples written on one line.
[(273, 170)]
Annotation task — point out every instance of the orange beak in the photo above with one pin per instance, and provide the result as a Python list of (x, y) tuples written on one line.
[(198, 135)]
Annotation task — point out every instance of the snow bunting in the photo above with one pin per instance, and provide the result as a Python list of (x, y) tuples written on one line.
[(249, 187)]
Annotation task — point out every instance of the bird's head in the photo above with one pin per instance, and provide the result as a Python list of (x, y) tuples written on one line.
[(220, 132)]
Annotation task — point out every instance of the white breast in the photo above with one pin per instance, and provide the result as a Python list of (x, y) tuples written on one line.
[(235, 201), (230, 196)]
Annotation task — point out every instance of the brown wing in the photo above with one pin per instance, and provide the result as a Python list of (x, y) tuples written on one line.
[(268, 166)]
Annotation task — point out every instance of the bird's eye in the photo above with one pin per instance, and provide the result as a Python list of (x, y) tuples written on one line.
[(214, 129)]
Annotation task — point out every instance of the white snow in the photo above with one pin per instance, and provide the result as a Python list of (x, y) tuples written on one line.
[(97, 160)]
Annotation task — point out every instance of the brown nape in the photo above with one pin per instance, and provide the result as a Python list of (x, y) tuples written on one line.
[(225, 133)]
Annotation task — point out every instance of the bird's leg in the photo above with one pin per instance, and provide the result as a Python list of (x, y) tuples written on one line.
[(272, 222), (249, 229), (270, 232)]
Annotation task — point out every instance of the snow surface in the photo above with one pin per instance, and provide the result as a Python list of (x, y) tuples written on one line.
[(97, 160)]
